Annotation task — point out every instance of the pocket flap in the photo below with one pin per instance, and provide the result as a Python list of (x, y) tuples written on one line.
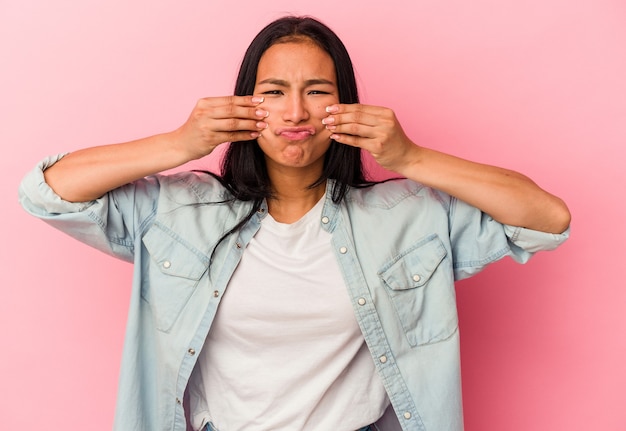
[(414, 267), (173, 256)]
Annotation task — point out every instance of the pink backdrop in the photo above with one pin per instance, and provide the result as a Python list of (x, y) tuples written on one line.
[(537, 86)]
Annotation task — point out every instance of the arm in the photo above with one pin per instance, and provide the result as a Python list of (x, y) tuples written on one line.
[(89, 173), (507, 196)]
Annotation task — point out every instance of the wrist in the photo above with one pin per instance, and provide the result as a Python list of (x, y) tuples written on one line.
[(410, 161), (175, 148)]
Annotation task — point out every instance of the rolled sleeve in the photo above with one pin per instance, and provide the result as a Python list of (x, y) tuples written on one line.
[(110, 223), (533, 241), (38, 198), (478, 240)]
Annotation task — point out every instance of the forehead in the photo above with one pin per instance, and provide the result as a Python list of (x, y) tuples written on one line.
[(302, 58)]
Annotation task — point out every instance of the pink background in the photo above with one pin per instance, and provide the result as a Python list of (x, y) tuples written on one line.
[(537, 86)]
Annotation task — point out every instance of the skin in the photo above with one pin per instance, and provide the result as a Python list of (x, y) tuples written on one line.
[(507, 196), (296, 88), (298, 82)]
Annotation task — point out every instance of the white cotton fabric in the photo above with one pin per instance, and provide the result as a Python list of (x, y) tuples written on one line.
[(285, 351), (399, 246)]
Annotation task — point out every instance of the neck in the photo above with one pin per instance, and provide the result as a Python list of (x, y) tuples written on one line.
[(293, 198)]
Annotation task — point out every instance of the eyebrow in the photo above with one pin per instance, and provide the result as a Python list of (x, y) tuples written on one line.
[(308, 82)]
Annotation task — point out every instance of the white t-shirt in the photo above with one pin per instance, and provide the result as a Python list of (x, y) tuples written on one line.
[(285, 351)]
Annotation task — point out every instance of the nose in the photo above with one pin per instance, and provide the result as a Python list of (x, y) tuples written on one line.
[(295, 109)]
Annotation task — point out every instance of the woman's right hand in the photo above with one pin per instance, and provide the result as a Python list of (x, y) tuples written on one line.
[(87, 174), (216, 120)]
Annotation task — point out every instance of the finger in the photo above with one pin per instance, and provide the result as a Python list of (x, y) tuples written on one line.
[(352, 140), (231, 107), (364, 114), (224, 138), (236, 125), (352, 119), (234, 111), (353, 129), (252, 100), (355, 107), (240, 136)]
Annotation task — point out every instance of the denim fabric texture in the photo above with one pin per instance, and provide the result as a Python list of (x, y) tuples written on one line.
[(400, 246)]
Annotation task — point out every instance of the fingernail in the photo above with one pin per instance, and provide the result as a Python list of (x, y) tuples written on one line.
[(262, 113), (328, 120), (255, 135), (331, 128), (258, 99), (332, 109), (333, 136), (262, 125)]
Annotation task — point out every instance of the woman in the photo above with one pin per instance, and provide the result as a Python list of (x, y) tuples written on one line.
[(290, 293)]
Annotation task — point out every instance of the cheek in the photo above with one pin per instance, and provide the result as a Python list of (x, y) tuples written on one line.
[(318, 107), (331, 100), (319, 110)]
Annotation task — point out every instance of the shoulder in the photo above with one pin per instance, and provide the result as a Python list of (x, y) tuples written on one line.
[(190, 187), (389, 194)]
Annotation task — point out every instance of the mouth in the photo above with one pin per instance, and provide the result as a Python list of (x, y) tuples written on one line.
[(296, 133)]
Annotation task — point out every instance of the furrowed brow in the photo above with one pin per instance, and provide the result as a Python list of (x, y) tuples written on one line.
[(308, 82), (319, 81), (274, 81)]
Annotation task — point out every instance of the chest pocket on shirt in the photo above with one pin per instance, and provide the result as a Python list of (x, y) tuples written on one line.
[(422, 291), (173, 272)]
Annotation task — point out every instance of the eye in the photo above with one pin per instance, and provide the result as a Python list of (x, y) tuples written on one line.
[(318, 92), (272, 92)]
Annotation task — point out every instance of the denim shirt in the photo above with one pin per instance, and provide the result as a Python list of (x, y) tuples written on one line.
[(400, 247)]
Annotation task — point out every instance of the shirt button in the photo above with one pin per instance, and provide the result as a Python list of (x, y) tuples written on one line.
[(325, 220), (178, 401), (216, 293), (167, 264), (238, 245), (416, 277), (407, 415), (382, 359), (361, 301), (343, 250), (191, 351)]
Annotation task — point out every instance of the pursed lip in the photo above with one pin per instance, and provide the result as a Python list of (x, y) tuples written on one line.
[(296, 132)]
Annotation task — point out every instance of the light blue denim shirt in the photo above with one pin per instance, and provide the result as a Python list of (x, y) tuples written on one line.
[(400, 247)]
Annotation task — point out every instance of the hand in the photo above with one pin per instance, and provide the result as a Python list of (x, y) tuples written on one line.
[(376, 130), (216, 120)]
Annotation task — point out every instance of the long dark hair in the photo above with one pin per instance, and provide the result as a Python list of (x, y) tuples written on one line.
[(243, 166), (244, 170)]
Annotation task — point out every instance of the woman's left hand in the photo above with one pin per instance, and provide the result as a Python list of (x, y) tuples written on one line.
[(507, 196), (374, 129)]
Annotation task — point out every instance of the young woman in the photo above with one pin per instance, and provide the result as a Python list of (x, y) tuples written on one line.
[(290, 293)]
